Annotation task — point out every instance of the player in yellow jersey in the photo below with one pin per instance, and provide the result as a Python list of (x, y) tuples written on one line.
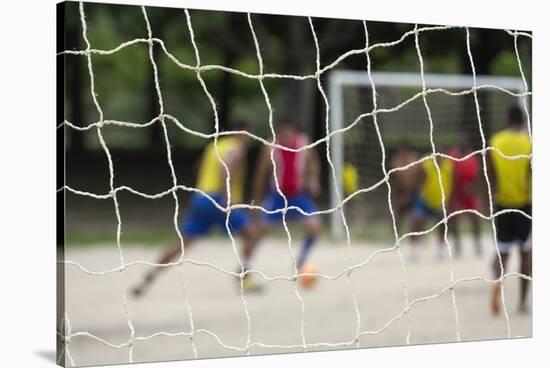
[(511, 179), (203, 213), (350, 179), (429, 199)]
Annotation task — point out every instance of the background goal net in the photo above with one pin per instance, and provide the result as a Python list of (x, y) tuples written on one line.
[(402, 119)]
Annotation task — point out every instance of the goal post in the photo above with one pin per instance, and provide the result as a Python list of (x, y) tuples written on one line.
[(350, 95)]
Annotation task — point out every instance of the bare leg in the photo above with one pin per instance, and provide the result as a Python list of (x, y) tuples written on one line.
[(174, 251), (313, 227), (453, 229), (417, 223), (398, 219), (399, 212), (476, 230), (497, 288), (166, 257), (250, 237), (526, 269), (402, 206)]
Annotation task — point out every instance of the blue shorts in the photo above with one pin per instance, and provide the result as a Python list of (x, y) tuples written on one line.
[(275, 201), (202, 214), (421, 209)]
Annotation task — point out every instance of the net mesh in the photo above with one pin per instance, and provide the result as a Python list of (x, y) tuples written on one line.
[(66, 333), (456, 122)]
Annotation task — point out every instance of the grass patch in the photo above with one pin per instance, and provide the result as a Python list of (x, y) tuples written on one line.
[(374, 231)]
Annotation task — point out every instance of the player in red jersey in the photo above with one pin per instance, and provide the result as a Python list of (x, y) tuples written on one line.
[(465, 196), (297, 180)]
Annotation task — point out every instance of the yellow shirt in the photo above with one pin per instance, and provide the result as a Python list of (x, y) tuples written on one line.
[(431, 190), (211, 177), (351, 178), (513, 177)]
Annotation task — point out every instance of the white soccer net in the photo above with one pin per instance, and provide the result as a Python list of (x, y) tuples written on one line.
[(375, 105)]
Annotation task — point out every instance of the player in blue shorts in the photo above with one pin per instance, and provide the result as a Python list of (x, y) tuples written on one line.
[(202, 214), (298, 179)]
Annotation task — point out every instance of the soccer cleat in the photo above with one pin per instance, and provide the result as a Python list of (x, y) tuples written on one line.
[(250, 285), (139, 290)]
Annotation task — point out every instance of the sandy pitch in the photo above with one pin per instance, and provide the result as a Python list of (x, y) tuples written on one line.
[(94, 303)]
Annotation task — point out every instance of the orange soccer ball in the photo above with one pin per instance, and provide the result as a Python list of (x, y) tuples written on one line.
[(307, 281)]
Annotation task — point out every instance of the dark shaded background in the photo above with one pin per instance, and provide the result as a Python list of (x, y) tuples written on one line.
[(125, 90)]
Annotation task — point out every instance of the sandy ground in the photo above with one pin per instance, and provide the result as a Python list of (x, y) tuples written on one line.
[(94, 303)]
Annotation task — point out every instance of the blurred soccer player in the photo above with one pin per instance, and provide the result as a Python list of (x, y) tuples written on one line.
[(404, 183), (298, 178), (512, 182), (350, 178), (202, 213), (465, 196), (427, 204)]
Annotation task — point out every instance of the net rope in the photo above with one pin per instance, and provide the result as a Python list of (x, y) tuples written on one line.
[(440, 180), (66, 332), (388, 185)]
